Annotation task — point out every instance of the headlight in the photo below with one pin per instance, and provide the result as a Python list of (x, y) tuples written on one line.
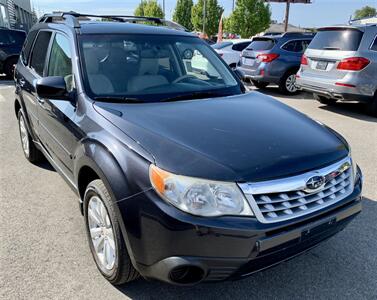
[(199, 196), (353, 163)]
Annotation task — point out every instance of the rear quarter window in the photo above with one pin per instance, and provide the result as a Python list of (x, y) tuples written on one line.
[(240, 46), (341, 39), (261, 44)]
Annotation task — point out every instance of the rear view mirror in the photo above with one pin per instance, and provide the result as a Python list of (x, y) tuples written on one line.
[(53, 87)]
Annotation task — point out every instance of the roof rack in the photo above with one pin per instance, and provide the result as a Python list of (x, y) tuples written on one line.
[(72, 18)]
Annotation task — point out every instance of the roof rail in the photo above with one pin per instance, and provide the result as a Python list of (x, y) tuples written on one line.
[(72, 18), (297, 34)]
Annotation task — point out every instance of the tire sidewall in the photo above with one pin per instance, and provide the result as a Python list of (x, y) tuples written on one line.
[(94, 190), (20, 115), (283, 84)]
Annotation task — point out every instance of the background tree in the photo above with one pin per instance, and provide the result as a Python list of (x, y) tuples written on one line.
[(365, 12), (149, 8), (213, 15), (182, 13), (249, 18)]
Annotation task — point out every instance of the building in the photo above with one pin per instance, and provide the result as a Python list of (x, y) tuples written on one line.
[(16, 14)]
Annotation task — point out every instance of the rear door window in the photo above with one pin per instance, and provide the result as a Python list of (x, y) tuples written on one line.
[(338, 39), (261, 44), (27, 47), (17, 37), (38, 56)]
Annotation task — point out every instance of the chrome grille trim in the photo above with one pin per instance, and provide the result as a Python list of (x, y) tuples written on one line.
[(287, 198)]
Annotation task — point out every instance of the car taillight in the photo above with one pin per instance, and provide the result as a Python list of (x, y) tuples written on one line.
[(267, 57), (304, 60), (353, 64)]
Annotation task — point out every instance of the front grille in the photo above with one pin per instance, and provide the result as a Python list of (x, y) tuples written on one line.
[(283, 199)]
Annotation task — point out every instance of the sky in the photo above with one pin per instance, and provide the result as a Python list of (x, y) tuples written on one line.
[(319, 13)]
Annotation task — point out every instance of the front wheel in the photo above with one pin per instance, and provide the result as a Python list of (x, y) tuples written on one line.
[(288, 84), (260, 84), (9, 67), (105, 239)]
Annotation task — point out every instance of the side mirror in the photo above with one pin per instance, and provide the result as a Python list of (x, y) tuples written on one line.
[(52, 87)]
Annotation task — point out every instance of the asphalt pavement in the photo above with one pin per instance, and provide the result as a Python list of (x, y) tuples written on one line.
[(44, 252)]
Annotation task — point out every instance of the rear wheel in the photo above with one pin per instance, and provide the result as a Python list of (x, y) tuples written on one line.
[(233, 66), (260, 84), (372, 106), (288, 83), (105, 239), (31, 152)]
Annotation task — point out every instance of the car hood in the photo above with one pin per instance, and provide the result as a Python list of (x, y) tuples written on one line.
[(248, 137)]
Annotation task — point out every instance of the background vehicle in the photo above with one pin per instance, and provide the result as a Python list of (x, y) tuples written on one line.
[(341, 64), (11, 42), (274, 59), (181, 191), (230, 51)]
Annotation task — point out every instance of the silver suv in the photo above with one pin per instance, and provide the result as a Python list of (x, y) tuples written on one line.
[(341, 64)]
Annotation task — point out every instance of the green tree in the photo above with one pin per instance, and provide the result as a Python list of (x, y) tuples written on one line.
[(365, 12), (149, 8), (182, 13), (212, 19), (250, 17)]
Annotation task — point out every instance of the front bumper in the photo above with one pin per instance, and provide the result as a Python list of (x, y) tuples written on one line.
[(164, 241)]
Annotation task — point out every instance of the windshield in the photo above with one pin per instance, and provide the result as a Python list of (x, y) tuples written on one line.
[(151, 68), (339, 39)]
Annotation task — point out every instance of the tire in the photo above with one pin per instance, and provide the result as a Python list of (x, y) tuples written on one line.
[(233, 66), (103, 229), (287, 84), (372, 106), (31, 152), (9, 67), (260, 84)]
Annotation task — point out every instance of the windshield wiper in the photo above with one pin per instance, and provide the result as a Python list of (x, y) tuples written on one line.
[(118, 99), (192, 96)]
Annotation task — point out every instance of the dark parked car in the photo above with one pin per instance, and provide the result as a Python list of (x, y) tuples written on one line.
[(11, 42), (274, 59), (181, 175)]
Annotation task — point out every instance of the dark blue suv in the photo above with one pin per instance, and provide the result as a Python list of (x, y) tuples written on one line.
[(274, 59), (11, 42), (181, 176)]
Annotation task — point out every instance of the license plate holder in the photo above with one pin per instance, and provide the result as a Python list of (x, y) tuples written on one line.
[(309, 232), (322, 65)]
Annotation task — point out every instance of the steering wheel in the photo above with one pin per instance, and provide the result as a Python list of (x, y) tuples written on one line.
[(183, 77)]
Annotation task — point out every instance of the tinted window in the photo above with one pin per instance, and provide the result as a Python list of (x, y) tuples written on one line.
[(17, 37), (240, 46), (38, 56), (221, 45), (342, 39), (4, 37), (290, 46), (261, 44), (27, 47), (374, 45), (60, 63)]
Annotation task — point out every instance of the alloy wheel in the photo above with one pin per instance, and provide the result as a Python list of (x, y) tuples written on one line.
[(102, 234), (290, 83), (24, 136)]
